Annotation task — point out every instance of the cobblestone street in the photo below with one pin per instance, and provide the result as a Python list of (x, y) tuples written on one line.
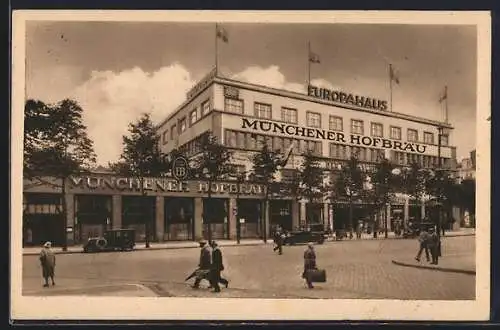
[(355, 269)]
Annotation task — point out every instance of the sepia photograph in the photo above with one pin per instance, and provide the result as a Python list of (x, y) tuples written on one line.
[(304, 165)]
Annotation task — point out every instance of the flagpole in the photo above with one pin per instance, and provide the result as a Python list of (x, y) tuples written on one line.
[(390, 86), (446, 104), (216, 51), (308, 64)]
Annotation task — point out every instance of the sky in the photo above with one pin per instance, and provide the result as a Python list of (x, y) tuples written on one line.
[(119, 70)]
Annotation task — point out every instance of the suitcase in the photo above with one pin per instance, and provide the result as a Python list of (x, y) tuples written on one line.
[(316, 275)]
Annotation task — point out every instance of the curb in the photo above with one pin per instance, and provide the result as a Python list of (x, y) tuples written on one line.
[(152, 248), (241, 244), (439, 269)]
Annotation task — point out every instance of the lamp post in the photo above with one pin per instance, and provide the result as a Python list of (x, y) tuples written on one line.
[(442, 131)]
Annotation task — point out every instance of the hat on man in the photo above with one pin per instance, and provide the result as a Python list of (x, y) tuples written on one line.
[(47, 244), (310, 244), (202, 242)]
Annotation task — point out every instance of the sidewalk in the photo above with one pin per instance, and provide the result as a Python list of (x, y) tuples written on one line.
[(228, 243)]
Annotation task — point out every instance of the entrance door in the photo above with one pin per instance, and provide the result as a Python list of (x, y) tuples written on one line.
[(215, 214)]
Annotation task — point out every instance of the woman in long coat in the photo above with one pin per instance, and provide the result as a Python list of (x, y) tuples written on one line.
[(48, 263), (309, 263)]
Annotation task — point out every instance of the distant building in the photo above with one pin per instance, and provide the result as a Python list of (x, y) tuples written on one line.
[(466, 169)]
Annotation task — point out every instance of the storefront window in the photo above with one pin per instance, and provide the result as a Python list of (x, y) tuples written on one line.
[(179, 214)]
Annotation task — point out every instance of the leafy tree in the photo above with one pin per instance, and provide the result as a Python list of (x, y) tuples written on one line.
[(444, 190), (266, 163), (56, 144), (468, 195), (413, 182), (213, 164), (349, 185), (141, 156), (310, 177), (383, 187)]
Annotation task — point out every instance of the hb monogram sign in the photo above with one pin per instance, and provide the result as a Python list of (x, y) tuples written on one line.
[(180, 168)]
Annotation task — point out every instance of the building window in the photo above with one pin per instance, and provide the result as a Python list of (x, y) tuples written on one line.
[(193, 117), (313, 119), (336, 123), (231, 139), (395, 133), (377, 130), (289, 115), (182, 125), (205, 108), (233, 105), (356, 126), (428, 138), (444, 140), (412, 135), (165, 137), (262, 110), (172, 131)]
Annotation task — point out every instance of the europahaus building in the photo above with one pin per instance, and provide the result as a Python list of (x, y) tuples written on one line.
[(333, 124)]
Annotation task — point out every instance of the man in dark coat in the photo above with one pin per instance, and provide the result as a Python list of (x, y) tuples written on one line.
[(434, 246), (217, 267), (309, 263), (48, 263), (204, 264)]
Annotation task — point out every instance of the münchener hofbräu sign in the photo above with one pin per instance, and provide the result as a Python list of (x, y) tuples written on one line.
[(316, 133), (160, 185)]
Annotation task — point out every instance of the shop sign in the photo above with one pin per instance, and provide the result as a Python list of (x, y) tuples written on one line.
[(164, 185), (315, 133), (346, 98)]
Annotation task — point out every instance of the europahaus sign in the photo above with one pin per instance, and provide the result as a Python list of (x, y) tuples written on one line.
[(315, 133), (346, 98), (163, 185)]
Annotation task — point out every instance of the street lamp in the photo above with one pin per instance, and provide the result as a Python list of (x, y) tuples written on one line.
[(442, 131)]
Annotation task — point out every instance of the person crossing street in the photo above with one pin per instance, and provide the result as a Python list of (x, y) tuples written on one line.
[(216, 268), (204, 266), (434, 246)]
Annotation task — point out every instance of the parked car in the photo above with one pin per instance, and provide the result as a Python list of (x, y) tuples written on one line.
[(112, 240), (313, 233)]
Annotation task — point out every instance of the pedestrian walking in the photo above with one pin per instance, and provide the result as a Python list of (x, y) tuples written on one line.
[(423, 240), (309, 263), (279, 238), (434, 246), (204, 266), (48, 263), (216, 268)]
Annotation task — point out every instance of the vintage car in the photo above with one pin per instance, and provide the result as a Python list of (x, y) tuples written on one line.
[(112, 240), (313, 233), (414, 229)]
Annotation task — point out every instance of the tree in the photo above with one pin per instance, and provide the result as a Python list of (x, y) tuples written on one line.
[(266, 163), (414, 182), (213, 164), (141, 156), (349, 184), (310, 178), (56, 144), (383, 188)]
